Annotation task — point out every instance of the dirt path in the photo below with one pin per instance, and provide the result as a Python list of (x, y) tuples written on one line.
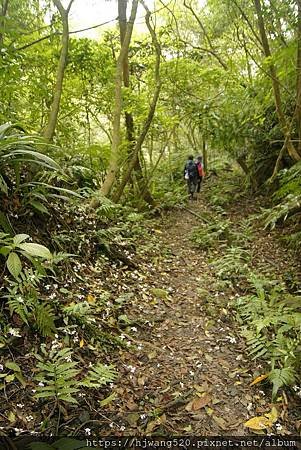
[(191, 373)]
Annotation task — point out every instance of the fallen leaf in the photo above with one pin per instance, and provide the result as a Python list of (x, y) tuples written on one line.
[(200, 402), (259, 379), (91, 299), (258, 423), (141, 381), (81, 343), (155, 423), (273, 415), (132, 419), (11, 417), (220, 422)]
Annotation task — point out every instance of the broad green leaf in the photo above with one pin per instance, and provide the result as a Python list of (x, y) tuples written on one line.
[(38, 206), (36, 250), (38, 156), (11, 417), (13, 366), (10, 378), (14, 264), (5, 251), (20, 238), (20, 378), (3, 185)]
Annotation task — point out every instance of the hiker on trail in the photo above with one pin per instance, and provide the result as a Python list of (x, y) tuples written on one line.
[(201, 172), (191, 176)]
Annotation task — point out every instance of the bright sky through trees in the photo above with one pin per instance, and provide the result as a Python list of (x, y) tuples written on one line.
[(86, 13)]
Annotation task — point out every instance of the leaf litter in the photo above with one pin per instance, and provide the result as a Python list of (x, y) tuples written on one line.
[(183, 366)]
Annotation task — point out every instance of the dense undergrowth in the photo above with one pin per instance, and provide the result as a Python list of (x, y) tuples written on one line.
[(52, 247), (268, 307), (57, 335)]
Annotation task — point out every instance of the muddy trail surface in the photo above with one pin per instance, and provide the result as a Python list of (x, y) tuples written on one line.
[(190, 372)]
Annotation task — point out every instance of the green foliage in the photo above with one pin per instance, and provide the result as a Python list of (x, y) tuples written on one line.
[(99, 375), (13, 246), (24, 299), (209, 235), (282, 211), (271, 325), (57, 376), (288, 205), (234, 265)]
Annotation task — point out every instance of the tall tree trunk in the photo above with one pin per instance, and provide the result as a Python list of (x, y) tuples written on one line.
[(205, 156), (113, 165), (298, 100), (4, 9), (129, 120), (275, 83), (151, 111), (55, 106)]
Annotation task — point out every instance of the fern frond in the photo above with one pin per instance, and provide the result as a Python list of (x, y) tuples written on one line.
[(45, 318), (282, 377), (99, 376)]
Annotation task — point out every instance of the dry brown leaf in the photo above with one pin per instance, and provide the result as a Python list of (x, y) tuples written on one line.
[(155, 423), (131, 405), (141, 381), (220, 422), (200, 402)]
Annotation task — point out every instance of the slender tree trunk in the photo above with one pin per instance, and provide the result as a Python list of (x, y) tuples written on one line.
[(129, 120), (55, 107), (116, 138), (3, 13), (275, 83), (151, 111), (298, 101), (205, 156)]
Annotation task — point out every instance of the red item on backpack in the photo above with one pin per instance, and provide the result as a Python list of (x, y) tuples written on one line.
[(201, 170)]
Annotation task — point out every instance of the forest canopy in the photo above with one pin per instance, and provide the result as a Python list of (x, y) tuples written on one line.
[(96, 124)]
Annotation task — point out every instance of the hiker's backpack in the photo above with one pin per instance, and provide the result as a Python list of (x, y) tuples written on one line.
[(191, 170), (201, 170)]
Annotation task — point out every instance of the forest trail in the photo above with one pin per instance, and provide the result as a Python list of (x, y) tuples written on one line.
[(191, 373)]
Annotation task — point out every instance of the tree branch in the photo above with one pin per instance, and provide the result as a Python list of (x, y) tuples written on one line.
[(59, 33), (213, 52)]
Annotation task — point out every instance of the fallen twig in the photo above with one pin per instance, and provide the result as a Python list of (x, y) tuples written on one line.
[(194, 214)]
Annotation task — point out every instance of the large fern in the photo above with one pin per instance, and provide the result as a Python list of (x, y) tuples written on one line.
[(271, 325), (57, 376)]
